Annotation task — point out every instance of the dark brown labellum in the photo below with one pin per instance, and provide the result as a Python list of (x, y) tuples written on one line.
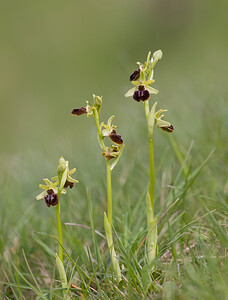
[(168, 129), (51, 199), (79, 111), (136, 96), (70, 184), (115, 137), (135, 75), (141, 94), (145, 95)]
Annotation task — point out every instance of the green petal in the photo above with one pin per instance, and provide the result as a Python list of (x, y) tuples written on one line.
[(47, 181), (71, 171), (109, 123), (42, 186)]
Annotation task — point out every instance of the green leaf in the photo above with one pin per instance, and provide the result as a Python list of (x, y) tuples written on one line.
[(63, 278)]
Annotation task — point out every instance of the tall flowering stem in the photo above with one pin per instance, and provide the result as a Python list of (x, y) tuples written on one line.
[(113, 153), (142, 80)]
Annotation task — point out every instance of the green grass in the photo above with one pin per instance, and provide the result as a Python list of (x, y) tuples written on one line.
[(191, 261)]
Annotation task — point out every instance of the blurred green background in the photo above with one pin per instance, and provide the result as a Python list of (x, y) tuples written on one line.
[(55, 54)]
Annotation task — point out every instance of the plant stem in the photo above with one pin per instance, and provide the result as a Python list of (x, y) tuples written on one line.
[(151, 185), (109, 191), (59, 227), (97, 122), (108, 225), (108, 219), (151, 221)]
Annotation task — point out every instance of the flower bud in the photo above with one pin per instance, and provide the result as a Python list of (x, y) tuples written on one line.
[(157, 55), (97, 100), (63, 165)]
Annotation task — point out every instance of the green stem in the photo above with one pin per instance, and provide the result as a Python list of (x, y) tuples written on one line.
[(109, 191), (151, 185), (108, 219), (150, 199), (97, 122), (108, 224), (59, 227)]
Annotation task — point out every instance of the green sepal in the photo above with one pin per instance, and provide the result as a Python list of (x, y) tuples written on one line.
[(130, 92), (151, 120), (147, 60), (63, 179), (41, 195)]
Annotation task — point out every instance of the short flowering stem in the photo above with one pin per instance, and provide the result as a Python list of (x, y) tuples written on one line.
[(109, 191), (151, 221), (59, 227)]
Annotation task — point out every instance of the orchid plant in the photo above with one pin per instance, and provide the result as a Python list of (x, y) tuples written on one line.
[(142, 79), (52, 191), (112, 155)]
